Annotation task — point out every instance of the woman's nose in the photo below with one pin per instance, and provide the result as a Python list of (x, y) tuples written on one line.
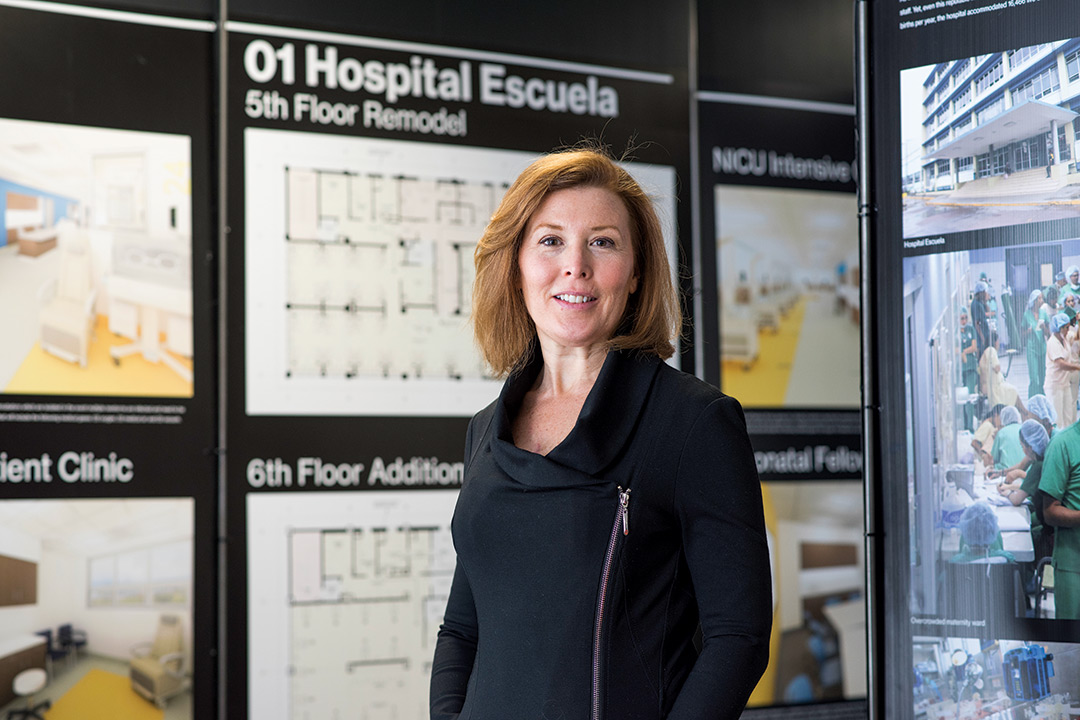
[(576, 263)]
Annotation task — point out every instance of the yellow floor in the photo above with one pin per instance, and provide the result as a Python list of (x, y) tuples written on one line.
[(102, 695), (765, 383), (134, 376)]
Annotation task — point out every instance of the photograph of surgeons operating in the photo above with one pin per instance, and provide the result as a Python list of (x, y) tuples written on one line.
[(992, 361)]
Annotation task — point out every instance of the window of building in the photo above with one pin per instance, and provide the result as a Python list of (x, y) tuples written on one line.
[(1072, 65), (962, 126), (987, 80), (156, 576), (1019, 57), (1064, 151), (965, 163), (999, 160), (982, 165), (942, 167), (1023, 158), (963, 98), (960, 69), (1042, 84), (990, 111)]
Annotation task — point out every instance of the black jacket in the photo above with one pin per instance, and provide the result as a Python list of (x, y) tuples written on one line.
[(543, 553)]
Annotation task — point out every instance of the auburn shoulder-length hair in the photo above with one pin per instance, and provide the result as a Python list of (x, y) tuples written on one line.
[(504, 331)]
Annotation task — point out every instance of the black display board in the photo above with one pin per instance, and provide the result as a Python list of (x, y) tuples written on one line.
[(972, 139), (107, 417), (362, 169), (778, 319)]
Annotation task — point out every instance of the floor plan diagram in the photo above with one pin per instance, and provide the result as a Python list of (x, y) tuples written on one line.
[(380, 273), (366, 604), (363, 601), (358, 271)]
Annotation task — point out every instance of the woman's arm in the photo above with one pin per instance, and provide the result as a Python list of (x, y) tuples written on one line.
[(455, 648), (455, 651), (718, 502)]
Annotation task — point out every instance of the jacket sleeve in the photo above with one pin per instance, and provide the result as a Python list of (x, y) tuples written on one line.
[(455, 651), (718, 503), (455, 648)]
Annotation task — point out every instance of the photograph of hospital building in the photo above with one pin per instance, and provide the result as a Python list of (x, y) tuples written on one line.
[(991, 140)]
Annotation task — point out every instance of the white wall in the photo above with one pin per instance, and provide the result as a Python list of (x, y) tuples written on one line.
[(62, 598), (110, 632)]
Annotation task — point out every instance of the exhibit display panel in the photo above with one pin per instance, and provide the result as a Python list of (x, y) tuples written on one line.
[(778, 323), (362, 171), (108, 480), (972, 254)]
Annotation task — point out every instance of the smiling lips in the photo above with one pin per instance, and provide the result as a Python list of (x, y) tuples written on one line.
[(575, 299)]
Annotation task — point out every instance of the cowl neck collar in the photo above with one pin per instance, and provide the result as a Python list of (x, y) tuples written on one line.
[(603, 427)]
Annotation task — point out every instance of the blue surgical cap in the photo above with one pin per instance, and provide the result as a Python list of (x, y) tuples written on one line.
[(1009, 416), (1058, 321), (1034, 434), (1059, 276), (981, 287), (979, 524), (1041, 407), (1072, 269), (1033, 297)]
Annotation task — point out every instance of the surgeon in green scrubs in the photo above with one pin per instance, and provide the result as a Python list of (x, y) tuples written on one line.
[(1060, 483)]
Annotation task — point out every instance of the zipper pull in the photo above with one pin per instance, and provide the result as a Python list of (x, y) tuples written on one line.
[(624, 501)]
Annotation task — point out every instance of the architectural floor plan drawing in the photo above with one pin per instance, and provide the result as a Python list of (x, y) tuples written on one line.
[(359, 271), (380, 272), (363, 601), (366, 604)]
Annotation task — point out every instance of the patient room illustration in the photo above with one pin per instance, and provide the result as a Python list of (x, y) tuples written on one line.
[(96, 609), (95, 262), (788, 283)]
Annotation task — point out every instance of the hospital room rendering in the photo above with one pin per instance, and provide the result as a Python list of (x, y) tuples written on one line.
[(95, 261), (984, 398), (788, 276), (95, 612), (819, 626)]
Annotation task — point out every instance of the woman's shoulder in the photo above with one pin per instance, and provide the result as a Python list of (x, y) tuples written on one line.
[(689, 395)]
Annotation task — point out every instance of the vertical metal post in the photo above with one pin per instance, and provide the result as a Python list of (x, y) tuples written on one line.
[(222, 304), (695, 194), (866, 308)]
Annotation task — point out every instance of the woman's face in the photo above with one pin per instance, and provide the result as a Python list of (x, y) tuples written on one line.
[(1070, 300), (577, 267)]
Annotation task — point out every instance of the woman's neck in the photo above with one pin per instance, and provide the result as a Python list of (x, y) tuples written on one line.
[(569, 371)]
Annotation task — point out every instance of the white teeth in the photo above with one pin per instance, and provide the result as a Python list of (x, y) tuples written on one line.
[(575, 298)]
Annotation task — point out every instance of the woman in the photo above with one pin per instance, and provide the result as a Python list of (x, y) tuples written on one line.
[(1049, 308), (1073, 287), (1058, 369), (1072, 345), (992, 382), (1006, 451), (1036, 343), (1033, 440), (1042, 413), (603, 487)]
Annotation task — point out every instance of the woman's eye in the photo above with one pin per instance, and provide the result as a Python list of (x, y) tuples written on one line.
[(603, 242), (549, 240)]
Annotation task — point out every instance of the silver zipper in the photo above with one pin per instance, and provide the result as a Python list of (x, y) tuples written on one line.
[(622, 517)]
